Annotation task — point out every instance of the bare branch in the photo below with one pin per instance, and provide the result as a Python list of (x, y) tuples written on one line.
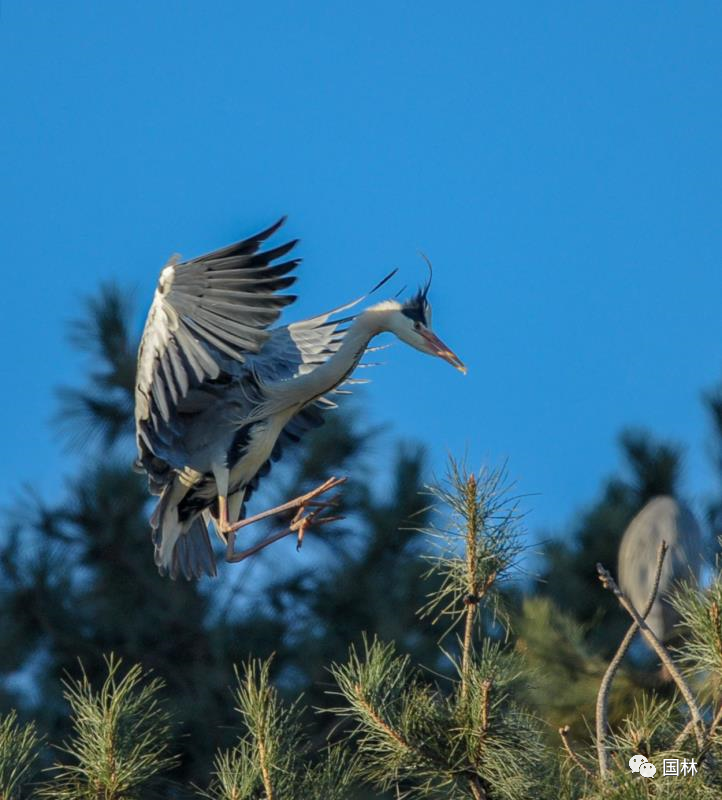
[(477, 789), (564, 733), (471, 601), (683, 735), (606, 684), (710, 734), (609, 583)]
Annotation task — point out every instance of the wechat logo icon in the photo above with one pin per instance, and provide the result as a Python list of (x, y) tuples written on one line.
[(640, 764)]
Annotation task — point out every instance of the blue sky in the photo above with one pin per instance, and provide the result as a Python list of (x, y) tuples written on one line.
[(560, 163)]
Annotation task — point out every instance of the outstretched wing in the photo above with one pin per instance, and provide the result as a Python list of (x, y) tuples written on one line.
[(297, 349), (213, 307)]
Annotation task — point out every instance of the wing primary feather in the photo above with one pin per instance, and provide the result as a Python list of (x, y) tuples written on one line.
[(220, 344), (224, 323), (257, 275), (226, 294), (181, 377), (182, 337), (159, 396), (168, 375), (267, 256), (245, 246), (248, 302), (204, 365), (221, 338)]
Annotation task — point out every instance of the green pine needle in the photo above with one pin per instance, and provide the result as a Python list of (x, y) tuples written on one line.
[(120, 740), (18, 753)]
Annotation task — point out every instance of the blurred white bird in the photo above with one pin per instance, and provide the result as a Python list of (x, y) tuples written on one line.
[(662, 518)]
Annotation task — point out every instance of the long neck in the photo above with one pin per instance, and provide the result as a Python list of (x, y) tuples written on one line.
[(338, 367)]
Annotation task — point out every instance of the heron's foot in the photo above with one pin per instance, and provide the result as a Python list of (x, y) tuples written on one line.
[(309, 512), (302, 521), (303, 501), (224, 528)]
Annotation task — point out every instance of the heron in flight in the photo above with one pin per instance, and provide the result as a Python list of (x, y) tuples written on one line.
[(220, 393)]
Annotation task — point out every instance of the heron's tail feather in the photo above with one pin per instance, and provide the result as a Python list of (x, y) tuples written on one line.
[(181, 549), (193, 555)]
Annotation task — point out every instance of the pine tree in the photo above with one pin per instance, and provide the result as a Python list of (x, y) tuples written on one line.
[(71, 570), (406, 727), (466, 736), (467, 717)]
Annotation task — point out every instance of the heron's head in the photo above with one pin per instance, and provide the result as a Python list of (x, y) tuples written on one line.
[(411, 322)]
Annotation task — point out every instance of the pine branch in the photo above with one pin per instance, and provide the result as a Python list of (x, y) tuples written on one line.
[(121, 738), (269, 760), (235, 774), (103, 409), (399, 723), (478, 546), (273, 740), (331, 778), (19, 746), (700, 613), (472, 598)]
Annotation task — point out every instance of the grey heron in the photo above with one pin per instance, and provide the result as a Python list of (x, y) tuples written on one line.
[(662, 518), (220, 393)]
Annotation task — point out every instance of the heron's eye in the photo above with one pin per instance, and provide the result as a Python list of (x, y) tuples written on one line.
[(417, 325)]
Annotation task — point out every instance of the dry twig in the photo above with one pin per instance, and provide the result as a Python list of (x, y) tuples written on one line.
[(698, 725), (564, 733), (606, 684)]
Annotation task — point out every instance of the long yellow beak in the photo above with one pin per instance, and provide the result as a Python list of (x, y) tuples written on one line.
[(442, 351)]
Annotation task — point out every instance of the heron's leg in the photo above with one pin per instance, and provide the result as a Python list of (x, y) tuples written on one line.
[(300, 522), (299, 502), (229, 509), (222, 476), (235, 503)]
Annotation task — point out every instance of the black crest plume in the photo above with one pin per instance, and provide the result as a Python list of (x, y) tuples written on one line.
[(417, 307)]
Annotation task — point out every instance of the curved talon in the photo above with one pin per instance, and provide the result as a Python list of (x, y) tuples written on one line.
[(301, 523)]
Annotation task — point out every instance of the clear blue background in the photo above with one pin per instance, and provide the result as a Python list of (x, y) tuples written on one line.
[(560, 163)]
